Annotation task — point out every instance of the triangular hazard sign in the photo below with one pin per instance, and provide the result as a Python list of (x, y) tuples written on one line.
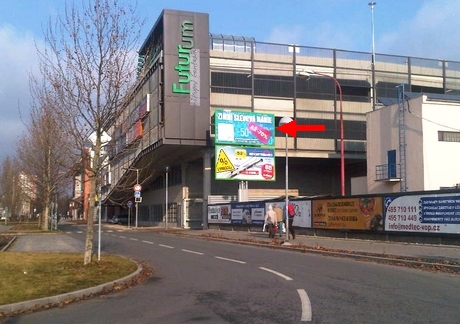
[(223, 163)]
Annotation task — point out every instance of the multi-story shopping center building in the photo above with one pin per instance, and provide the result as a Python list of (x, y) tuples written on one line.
[(164, 139)]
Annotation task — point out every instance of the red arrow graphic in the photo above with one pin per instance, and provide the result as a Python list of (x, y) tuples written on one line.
[(292, 128)]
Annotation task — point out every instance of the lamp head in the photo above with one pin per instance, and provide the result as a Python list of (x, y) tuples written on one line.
[(304, 74), (284, 121)]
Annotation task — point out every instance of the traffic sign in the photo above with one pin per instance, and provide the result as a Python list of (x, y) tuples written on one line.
[(137, 187), (137, 194), (130, 204)]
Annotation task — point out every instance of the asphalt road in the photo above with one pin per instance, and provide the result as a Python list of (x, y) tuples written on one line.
[(199, 281)]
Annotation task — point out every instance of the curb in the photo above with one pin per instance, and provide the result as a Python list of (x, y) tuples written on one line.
[(8, 245), (79, 294)]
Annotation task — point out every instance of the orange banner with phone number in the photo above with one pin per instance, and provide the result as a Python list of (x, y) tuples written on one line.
[(348, 213)]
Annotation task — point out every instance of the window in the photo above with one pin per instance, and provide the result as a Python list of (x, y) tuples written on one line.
[(448, 136)]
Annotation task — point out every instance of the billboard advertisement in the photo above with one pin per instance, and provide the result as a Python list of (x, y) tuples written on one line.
[(219, 214), (245, 163), (423, 213), (244, 128), (248, 213), (302, 209), (348, 213)]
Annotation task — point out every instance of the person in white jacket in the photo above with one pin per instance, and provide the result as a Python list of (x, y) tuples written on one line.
[(270, 220)]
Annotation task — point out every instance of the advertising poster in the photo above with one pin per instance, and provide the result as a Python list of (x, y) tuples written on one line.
[(244, 128), (248, 213), (302, 208), (423, 213), (245, 163), (348, 213), (219, 214)]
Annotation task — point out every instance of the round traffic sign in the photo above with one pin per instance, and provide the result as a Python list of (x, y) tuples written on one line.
[(137, 187), (130, 204)]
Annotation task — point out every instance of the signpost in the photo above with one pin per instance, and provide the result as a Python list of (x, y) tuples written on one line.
[(137, 198)]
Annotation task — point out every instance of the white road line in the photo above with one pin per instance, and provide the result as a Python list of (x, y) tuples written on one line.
[(110, 231), (166, 246), (79, 232), (194, 252), (148, 242), (306, 305), (133, 239), (277, 273), (232, 260), (122, 236)]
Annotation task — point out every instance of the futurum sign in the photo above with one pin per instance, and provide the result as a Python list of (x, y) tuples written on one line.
[(244, 128)]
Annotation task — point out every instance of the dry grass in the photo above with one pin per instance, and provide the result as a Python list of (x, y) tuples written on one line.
[(27, 276)]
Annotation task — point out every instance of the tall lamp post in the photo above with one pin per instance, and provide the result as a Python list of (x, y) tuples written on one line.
[(166, 197), (306, 75), (372, 5), (284, 121)]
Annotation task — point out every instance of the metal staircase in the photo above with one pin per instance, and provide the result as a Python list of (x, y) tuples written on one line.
[(402, 137)]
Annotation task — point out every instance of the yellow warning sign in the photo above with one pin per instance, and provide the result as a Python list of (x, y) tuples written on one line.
[(223, 163)]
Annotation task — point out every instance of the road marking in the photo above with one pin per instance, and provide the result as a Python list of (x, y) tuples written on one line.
[(166, 246), (276, 273), (306, 305), (194, 252), (110, 231), (122, 236), (232, 260), (79, 232), (133, 239), (148, 242)]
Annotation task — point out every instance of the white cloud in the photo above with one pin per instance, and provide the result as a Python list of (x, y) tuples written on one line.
[(432, 32), (18, 59)]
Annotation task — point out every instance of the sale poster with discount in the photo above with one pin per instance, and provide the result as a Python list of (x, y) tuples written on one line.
[(245, 163), (244, 128), (423, 213)]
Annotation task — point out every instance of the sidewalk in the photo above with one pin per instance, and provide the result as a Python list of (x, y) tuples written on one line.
[(423, 251)]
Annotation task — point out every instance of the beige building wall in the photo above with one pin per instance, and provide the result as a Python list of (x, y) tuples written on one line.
[(430, 164)]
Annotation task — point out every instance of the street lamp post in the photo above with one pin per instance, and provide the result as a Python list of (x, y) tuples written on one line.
[(307, 74), (166, 197), (284, 121), (372, 5)]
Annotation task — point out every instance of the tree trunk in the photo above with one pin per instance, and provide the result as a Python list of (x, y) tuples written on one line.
[(90, 222)]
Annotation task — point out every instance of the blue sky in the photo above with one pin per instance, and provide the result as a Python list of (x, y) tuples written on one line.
[(421, 28)]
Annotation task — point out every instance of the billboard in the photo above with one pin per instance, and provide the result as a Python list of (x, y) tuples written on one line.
[(248, 213), (348, 213), (302, 209), (423, 213), (244, 128), (219, 214), (245, 163)]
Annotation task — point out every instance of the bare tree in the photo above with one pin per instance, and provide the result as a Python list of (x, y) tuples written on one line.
[(89, 60), (43, 151)]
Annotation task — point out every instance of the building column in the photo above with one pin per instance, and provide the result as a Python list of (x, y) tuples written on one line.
[(207, 160)]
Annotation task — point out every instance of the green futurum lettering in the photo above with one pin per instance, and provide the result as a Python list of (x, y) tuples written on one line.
[(183, 66)]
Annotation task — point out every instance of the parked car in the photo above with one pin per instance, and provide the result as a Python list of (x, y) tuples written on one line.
[(120, 219)]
